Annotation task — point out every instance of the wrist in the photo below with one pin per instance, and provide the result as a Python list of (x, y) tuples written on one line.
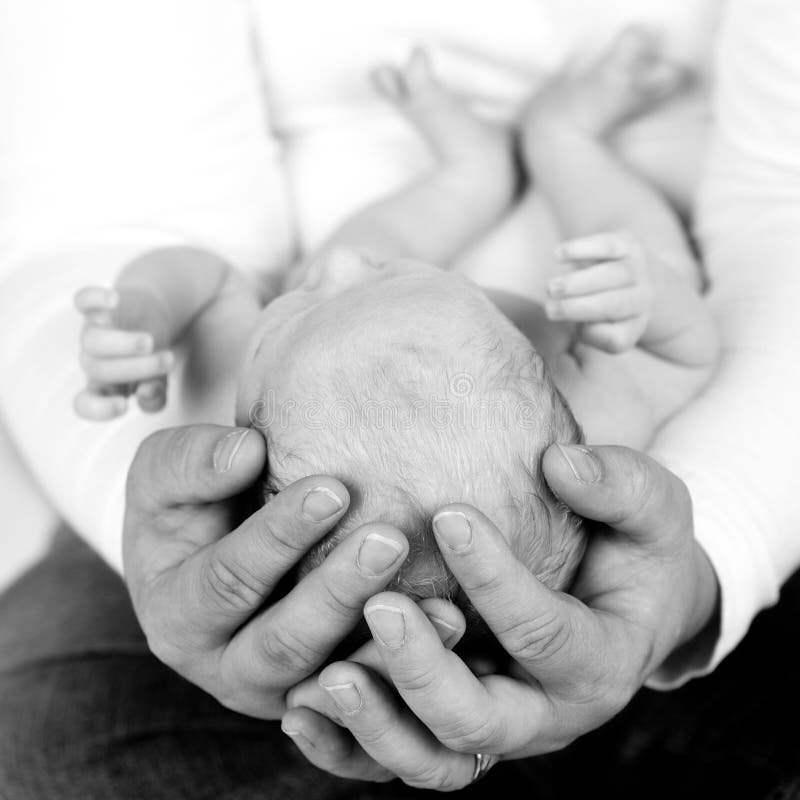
[(699, 630)]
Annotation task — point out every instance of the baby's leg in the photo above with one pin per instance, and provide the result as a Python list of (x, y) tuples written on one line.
[(472, 184), (639, 284)]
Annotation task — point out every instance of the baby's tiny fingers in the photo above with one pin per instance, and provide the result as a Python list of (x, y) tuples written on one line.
[(613, 337), (597, 278), (113, 343), (599, 247), (127, 370), (613, 306), (95, 298), (98, 407), (151, 395)]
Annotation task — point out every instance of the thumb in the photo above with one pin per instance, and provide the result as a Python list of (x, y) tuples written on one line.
[(194, 464), (623, 488)]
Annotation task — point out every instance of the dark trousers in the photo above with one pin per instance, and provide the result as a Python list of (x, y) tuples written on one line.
[(86, 713)]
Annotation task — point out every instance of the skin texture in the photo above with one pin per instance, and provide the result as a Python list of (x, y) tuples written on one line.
[(362, 334), (199, 580), (645, 588)]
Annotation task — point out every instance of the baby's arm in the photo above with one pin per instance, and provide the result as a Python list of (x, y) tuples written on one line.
[(624, 294), (639, 286), (130, 328)]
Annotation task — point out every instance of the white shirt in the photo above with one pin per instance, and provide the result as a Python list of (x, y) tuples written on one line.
[(250, 128)]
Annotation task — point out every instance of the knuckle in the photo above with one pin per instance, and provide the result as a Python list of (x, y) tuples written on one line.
[(379, 737), (472, 737), (485, 583), (178, 458), (233, 700), (279, 530), (282, 648), (338, 599), (541, 638), (432, 776), (638, 479), (418, 680), (167, 651), (230, 586)]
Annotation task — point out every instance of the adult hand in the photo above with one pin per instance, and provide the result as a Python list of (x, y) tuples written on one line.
[(200, 584), (644, 588)]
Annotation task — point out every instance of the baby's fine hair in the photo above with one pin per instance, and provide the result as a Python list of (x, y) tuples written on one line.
[(409, 432)]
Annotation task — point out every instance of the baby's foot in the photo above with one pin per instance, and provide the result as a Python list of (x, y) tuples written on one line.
[(456, 135), (629, 80)]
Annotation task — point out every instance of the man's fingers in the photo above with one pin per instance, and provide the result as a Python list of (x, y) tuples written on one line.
[(447, 620), (173, 470), (390, 734), (229, 580), (330, 747), (196, 464), (292, 638), (549, 633), (623, 488)]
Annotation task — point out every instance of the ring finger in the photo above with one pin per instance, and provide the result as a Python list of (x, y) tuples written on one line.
[(390, 733)]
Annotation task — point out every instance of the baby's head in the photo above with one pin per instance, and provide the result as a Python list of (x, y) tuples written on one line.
[(408, 385)]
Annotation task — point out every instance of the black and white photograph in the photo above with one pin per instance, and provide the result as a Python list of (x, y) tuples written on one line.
[(398, 400)]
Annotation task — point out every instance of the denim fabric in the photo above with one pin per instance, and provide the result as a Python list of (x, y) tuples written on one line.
[(86, 713)]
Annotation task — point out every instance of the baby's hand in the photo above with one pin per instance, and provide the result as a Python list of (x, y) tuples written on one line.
[(118, 352), (611, 290)]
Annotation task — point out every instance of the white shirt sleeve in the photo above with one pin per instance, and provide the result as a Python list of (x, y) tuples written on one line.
[(123, 127), (735, 446)]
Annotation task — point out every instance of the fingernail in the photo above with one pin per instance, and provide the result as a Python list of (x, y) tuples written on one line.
[(296, 736), (446, 631), (227, 448), (321, 503), (454, 529), (150, 391), (388, 624), (582, 461), (377, 553), (346, 696)]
